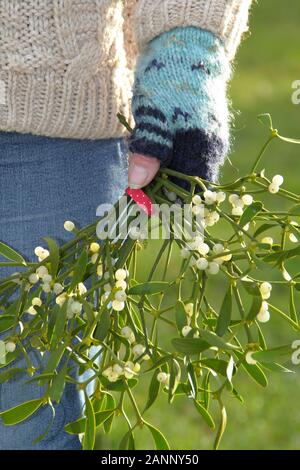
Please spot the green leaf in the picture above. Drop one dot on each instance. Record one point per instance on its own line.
(60, 322)
(127, 441)
(192, 379)
(111, 405)
(237, 395)
(42, 436)
(119, 385)
(254, 371)
(222, 427)
(9, 358)
(224, 318)
(218, 365)
(88, 310)
(274, 367)
(90, 425)
(215, 340)
(263, 228)
(131, 443)
(54, 255)
(205, 385)
(295, 210)
(103, 326)
(79, 270)
(174, 374)
(11, 254)
(58, 384)
(254, 309)
(261, 338)
(6, 322)
(6, 375)
(205, 414)
(273, 355)
(160, 441)
(21, 412)
(293, 310)
(159, 363)
(78, 427)
(54, 359)
(250, 213)
(149, 288)
(251, 288)
(180, 315)
(190, 346)
(153, 391)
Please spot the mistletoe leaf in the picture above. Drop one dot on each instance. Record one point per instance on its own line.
(205, 414)
(20, 413)
(11, 254)
(54, 255)
(159, 439)
(224, 318)
(149, 288)
(90, 425)
(250, 213)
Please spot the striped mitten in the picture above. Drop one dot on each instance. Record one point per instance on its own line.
(179, 102)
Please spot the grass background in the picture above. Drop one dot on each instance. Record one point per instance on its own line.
(266, 66)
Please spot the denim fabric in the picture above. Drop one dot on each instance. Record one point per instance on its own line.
(43, 182)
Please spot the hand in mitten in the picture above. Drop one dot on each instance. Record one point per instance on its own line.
(180, 106)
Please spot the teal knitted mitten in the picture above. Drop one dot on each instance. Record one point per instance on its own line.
(179, 102)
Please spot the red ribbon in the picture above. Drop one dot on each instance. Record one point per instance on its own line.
(141, 199)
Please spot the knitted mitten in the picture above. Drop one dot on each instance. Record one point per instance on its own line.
(179, 102)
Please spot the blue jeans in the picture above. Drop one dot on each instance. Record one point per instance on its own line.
(43, 182)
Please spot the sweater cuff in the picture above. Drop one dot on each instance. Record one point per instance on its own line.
(227, 19)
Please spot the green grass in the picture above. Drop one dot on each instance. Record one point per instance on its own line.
(267, 64)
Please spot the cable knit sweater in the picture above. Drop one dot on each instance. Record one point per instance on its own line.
(67, 66)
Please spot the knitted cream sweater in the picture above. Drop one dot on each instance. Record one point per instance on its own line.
(66, 66)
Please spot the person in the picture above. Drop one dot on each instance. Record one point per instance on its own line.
(67, 69)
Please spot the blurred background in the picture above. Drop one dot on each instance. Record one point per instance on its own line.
(267, 64)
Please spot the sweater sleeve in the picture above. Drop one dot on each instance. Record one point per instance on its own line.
(227, 19)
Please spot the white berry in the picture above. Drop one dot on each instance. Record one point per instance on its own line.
(36, 301)
(202, 264)
(10, 346)
(118, 306)
(267, 241)
(264, 317)
(58, 288)
(42, 271)
(69, 226)
(162, 377)
(138, 350)
(120, 295)
(274, 188)
(186, 330)
(32, 311)
(278, 180)
(213, 268)
(247, 199)
(120, 275)
(76, 307)
(94, 247)
(237, 211)
(33, 278)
